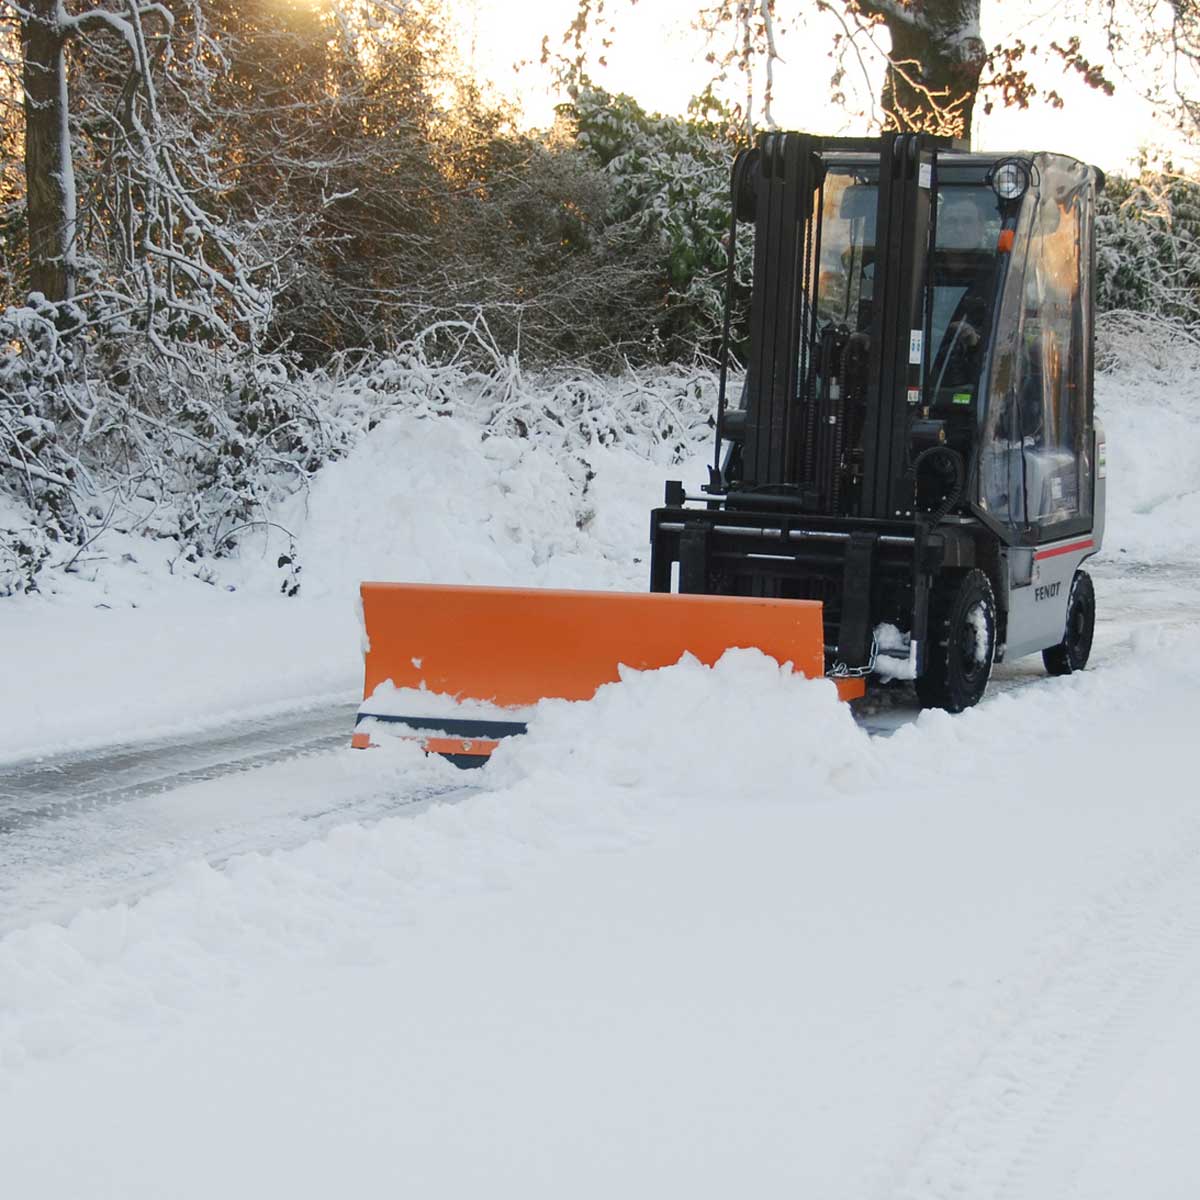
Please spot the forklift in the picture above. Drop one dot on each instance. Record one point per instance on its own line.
(915, 444)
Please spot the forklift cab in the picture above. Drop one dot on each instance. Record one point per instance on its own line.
(1007, 364)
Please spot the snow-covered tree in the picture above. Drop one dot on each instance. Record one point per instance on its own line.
(262, 188)
(669, 182)
(1148, 246)
(133, 358)
(935, 67)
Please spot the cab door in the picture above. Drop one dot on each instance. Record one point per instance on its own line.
(1036, 470)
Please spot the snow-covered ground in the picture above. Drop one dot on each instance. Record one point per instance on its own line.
(704, 935)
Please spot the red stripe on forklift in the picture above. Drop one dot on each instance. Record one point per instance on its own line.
(1069, 548)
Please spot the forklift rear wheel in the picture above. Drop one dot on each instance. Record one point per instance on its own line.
(1071, 654)
(962, 642)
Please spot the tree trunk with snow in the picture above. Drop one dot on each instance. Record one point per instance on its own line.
(49, 176)
(935, 63)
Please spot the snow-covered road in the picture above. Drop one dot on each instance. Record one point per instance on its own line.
(555, 980)
(957, 961)
(96, 827)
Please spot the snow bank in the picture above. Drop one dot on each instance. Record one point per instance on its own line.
(138, 652)
(1149, 400)
(431, 500)
(179, 661)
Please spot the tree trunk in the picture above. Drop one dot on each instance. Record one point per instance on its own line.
(49, 172)
(936, 59)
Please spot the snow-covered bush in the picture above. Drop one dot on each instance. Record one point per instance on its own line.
(23, 553)
(670, 186)
(1148, 246)
(40, 479)
(102, 426)
(197, 447)
(654, 410)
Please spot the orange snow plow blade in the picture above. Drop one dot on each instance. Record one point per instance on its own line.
(511, 647)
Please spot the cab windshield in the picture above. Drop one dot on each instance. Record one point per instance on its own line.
(962, 290)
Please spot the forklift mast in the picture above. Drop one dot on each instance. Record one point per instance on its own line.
(793, 434)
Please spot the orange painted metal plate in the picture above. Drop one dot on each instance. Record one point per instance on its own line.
(478, 747)
(515, 646)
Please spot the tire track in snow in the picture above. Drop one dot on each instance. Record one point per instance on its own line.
(99, 827)
(53, 787)
(51, 872)
(1020, 1121)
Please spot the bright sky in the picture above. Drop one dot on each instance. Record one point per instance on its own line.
(659, 59)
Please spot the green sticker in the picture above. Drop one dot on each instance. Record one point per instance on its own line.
(962, 397)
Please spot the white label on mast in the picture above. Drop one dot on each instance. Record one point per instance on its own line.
(916, 347)
(925, 175)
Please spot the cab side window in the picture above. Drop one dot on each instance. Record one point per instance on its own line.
(1051, 382)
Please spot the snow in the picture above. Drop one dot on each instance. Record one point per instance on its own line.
(702, 935)
(389, 700)
(94, 675)
(864, 969)
(977, 619)
(139, 653)
(66, 168)
(894, 658)
(1149, 405)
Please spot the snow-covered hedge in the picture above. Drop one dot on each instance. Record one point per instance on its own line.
(201, 444)
(669, 182)
(1148, 246)
(104, 427)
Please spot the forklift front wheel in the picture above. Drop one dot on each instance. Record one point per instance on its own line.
(962, 642)
(1071, 654)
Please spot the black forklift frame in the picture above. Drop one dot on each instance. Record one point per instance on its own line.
(767, 538)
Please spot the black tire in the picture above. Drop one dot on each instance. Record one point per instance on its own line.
(957, 667)
(1072, 653)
